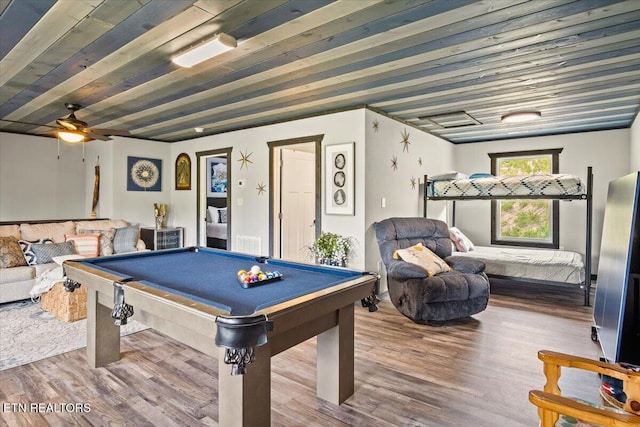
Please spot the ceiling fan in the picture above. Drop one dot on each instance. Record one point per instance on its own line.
(73, 130)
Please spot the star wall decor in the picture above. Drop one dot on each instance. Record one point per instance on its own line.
(413, 183)
(394, 163)
(375, 125)
(261, 188)
(405, 141)
(244, 159)
(419, 161)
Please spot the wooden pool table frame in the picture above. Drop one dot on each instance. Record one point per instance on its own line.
(244, 400)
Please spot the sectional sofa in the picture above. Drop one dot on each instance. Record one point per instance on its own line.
(17, 277)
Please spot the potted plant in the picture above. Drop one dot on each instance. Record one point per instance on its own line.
(332, 249)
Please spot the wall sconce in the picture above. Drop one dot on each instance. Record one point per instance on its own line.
(71, 136)
(222, 42)
(521, 116)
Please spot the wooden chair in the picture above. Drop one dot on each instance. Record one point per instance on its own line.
(551, 404)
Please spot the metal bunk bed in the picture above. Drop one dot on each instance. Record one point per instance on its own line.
(586, 196)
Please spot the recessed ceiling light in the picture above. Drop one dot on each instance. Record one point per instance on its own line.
(199, 130)
(222, 42)
(521, 116)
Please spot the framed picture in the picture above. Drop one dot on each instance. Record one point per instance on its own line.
(217, 177)
(144, 174)
(183, 172)
(339, 172)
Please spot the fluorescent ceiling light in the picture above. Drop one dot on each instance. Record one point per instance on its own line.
(222, 42)
(70, 136)
(521, 116)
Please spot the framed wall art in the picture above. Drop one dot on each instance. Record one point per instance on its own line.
(217, 177)
(144, 174)
(183, 172)
(339, 175)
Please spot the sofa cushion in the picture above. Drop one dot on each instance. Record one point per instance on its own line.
(17, 274)
(106, 239)
(101, 224)
(87, 245)
(10, 253)
(27, 249)
(45, 252)
(126, 239)
(10, 230)
(54, 230)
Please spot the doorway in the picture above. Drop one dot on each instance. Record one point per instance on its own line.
(295, 204)
(214, 196)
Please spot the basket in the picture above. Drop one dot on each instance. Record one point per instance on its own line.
(66, 306)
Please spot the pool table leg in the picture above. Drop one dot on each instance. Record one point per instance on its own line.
(103, 336)
(245, 400)
(335, 359)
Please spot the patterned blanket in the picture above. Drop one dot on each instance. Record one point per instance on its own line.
(529, 185)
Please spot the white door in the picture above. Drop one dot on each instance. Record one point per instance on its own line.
(298, 203)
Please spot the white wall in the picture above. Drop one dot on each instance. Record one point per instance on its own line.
(606, 151)
(634, 157)
(252, 218)
(36, 184)
(402, 199)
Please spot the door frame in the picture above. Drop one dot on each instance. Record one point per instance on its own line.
(201, 182)
(317, 140)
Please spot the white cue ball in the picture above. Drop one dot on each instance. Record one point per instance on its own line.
(255, 270)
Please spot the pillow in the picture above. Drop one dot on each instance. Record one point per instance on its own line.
(212, 214)
(222, 215)
(462, 242)
(423, 258)
(126, 239)
(46, 251)
(87, 245)
(448, 176)
(27, 250)
(10, 253)
(106, 239)
(481, 175)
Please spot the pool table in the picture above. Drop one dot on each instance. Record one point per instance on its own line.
(194, 296)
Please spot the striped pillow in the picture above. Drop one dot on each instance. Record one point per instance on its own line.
(87, 245)
(106, 239)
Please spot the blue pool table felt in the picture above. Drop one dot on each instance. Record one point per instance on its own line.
(210, 277)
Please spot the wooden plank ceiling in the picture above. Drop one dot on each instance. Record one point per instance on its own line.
(576, 62)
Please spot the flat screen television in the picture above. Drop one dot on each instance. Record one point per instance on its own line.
(616, 308)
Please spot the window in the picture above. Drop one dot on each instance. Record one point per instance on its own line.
(522, 222)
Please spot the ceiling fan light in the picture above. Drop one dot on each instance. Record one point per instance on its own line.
(70, 136)
(521, 116)
(222, 42)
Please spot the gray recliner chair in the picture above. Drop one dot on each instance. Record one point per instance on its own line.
(458, 293)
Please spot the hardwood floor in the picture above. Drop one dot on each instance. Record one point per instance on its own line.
(473, 372)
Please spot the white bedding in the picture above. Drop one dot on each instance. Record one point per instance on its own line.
(217, 230)
(539, 264)
(528, 185)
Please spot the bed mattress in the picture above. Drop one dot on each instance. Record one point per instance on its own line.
(529, 185)
(538, 264)
(217, 230)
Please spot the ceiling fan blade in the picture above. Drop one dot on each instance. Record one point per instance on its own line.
(66, 124)
(96, 136)
(116, 132)
(28, 123)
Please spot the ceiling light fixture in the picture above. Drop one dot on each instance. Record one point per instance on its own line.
(199, 130)
(71, 136)
(222, 42)
(521, 116)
